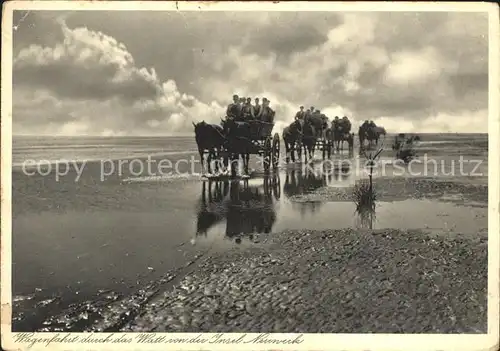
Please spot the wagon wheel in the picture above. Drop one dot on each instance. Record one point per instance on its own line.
(275, 155)
(267, 154)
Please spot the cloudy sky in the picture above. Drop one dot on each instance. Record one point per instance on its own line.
(152, 73)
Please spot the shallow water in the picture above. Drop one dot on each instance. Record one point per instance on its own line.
(67, 257)
(278, 210)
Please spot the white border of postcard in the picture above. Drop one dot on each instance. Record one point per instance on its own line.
(454, 342)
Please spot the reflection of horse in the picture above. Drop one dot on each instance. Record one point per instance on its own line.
(247, 209)
(298, 182)
(212, 211)
(292, 136)
(301, 183)
(209, 137)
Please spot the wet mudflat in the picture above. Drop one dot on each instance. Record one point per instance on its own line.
(429, 275)
(253, 256)
(332, 281)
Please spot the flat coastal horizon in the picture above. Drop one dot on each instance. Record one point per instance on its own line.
(250, 175)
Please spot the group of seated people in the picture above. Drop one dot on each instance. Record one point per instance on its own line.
(368, 124)
(242, 110)
(343, 122)
(310, 112)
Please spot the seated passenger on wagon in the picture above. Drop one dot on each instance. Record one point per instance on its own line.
(336, 122)
(256, 107)
(324, 119)
(266, 113)
(317, 114)
(248, 111)
(300, 114)
(233, 109)
(308, 113)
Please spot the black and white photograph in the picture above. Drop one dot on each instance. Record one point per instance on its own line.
(269, 170)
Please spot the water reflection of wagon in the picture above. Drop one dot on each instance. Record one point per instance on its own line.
(246, 209)
(252, 138)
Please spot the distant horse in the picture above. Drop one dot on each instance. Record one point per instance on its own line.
(370, 133)
(375, 133)
(339, 136)
(209, 137)
(292, 136)
(308, 139)
(238, 136)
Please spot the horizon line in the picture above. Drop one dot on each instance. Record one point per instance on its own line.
(192, 134)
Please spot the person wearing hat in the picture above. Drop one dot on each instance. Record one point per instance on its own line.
(241, 102)
(264, 110)
(233, 109)
(248, 111)
(336, 123)
(256, 107)
(268, 112)
(308, 113)
(300, 114)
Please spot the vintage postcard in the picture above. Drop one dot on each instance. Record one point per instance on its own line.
(249, 175)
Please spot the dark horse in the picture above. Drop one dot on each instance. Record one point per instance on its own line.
(370, 133)
(341, 134)
(292, 136)
(209, 137)
(238, 138)
(309, 138)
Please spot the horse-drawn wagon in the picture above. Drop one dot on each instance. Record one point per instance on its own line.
(309, 134)
(252, 137)
(234, 139)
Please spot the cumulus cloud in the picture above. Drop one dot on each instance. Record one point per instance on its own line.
(407, 71)
(89, 83)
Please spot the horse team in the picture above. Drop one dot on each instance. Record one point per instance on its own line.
(309, 131)
(312, 129)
